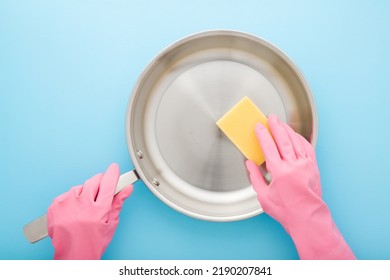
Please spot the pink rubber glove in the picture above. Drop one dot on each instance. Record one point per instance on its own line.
(293, 196)
(82, 222)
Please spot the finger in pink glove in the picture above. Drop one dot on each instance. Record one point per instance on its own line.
(82, 221)
(293, 196)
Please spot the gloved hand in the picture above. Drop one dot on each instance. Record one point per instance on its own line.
(82, 222)
(293, 196)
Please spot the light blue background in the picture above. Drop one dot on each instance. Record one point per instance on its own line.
(67, 69)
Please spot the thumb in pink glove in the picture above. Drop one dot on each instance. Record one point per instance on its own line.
(293, 196)
(82, 222)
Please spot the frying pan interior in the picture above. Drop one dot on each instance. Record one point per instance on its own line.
(176, 147)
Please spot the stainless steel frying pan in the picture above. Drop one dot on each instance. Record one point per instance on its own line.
(174, 143)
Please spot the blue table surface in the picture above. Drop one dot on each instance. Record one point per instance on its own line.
(67, 69)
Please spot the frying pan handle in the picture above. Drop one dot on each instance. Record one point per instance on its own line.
(37, 229)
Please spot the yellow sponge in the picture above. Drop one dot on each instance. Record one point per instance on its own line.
(239, 126)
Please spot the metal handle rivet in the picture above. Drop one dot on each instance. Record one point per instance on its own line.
(155, 182)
